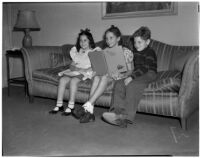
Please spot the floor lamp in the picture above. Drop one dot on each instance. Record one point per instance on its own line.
(26, 21)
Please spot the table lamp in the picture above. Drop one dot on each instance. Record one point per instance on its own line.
(26, 21)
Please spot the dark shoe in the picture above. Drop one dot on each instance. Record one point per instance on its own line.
(78, 112)
(117, 120)
(67, 113)
(88, 117)
(60, 109)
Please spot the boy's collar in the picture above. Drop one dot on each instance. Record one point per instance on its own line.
(144, 49)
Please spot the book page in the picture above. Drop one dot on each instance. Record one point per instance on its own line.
(115, 61)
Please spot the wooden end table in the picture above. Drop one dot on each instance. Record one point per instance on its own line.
(17, 80)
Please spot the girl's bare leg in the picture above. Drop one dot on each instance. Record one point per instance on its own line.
(99, 90)
(95, 84)
(61, 87)
(102, 84)
(61, 90)
(73, 88)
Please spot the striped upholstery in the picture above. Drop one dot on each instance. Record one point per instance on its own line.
(165, 53)
(167, 96)
(166, 81)
(164, 85)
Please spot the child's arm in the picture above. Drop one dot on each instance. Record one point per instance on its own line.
(128, 54)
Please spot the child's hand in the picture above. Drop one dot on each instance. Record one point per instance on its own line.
(127, 81)
(115, 75)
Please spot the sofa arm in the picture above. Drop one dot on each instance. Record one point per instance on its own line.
(189, 90)
(37, 57)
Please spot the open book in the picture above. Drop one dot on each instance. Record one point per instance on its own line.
(68, 72)
(108, 62)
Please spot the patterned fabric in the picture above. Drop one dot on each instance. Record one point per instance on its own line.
(143, 62)
(164, 85)
(166, 81)
(166, 53)
(129, 58)
(160, 103)
(169, 74)
(57, 60)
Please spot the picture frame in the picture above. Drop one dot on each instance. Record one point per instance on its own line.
(111, 10)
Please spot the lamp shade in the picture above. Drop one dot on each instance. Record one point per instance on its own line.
(26, 19)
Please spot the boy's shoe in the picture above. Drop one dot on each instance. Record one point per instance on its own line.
(117, 120)
(87, 117)
(78, 112)
(60, 109)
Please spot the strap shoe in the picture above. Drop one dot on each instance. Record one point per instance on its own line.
(56, 110)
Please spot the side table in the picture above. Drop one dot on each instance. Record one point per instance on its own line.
(16, 80)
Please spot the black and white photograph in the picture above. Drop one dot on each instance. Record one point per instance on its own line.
(100, 78)
(138, 9)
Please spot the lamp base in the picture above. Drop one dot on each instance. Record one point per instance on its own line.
(27, 40)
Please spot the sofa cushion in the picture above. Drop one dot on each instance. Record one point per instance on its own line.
(165, 85)
(166, 81)
(169, 74)
(48, 74)
(58, 59)
(51, 75)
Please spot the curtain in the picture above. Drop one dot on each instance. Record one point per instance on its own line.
(7, 40)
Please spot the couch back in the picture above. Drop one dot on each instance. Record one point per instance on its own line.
(169, 57)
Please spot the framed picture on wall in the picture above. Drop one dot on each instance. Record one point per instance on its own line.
(138, 9)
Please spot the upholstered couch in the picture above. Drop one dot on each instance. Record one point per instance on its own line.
(174, 93)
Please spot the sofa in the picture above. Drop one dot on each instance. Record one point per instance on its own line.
(175, 92)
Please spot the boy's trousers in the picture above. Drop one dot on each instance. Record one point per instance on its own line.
(125, 99)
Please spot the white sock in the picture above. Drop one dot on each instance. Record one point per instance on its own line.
(88, 107)
(70, 106)
(58, 104)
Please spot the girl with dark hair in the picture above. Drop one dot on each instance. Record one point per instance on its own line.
(112, 38)
(81, 64)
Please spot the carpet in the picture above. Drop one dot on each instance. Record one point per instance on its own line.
(28, 130)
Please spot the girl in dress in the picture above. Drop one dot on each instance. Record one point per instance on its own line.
(112, 37)
(81, 64)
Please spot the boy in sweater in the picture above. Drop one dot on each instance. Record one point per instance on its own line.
(128, 92)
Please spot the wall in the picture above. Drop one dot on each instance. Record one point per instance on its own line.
(61, 22)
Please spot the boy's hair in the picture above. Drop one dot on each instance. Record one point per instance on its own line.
(143, 32)
(115, 30)
(87, 33)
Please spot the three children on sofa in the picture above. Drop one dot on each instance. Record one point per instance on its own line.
(128, 89)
